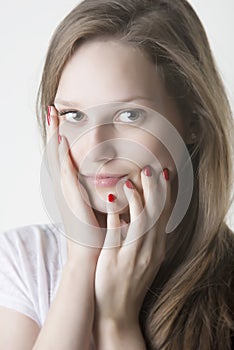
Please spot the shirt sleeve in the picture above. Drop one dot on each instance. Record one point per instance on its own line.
(31, 264)
(15, 275)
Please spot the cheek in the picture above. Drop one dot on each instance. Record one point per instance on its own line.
(74, 139)
(159, 150)
(140, 148)
(78, 153)
(161, 155)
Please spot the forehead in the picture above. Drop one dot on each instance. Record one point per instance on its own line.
(110, 71)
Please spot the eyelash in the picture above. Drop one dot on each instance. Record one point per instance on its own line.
(65, 112)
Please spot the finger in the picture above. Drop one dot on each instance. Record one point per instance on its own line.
(137, 216)
(152, 197)
(68, 170)
(124, 228)
(113, 233)
(164, 188)
(52, 142)
(74, 192)
(82, 224)
(158, 205)
(52, 115)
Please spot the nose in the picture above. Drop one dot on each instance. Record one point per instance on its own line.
(100, 143)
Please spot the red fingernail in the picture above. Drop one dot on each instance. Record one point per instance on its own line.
(59, 138)
(48, 114)
(111, 197)
(166, 174)
(147, 171)
(129, 184)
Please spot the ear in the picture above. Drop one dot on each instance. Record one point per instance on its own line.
(192, 130)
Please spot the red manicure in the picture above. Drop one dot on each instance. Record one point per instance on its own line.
(166, 174)
(147, 171)
(129, 184)
(59, 138)
(48, 114)
(111, 197)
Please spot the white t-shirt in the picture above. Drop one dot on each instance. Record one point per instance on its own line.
(31, 263)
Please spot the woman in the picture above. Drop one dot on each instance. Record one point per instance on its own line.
(124, 82)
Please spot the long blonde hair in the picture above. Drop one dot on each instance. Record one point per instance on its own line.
(189, 303)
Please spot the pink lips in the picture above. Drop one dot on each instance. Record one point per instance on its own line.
(105, 180)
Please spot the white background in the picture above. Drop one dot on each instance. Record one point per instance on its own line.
(26, 27)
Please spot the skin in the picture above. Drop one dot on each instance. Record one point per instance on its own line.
(103, 72)
(120, 73)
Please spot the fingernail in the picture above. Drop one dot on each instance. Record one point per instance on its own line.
(129, 184)
(166, 174)
(48, 114)
(59, 138)
(147, 171)
(111, 197)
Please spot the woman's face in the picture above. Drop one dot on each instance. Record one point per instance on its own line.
(122, 124)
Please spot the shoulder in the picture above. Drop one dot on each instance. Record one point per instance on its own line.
(33, 253)
(41, 231)
(44, 240)
(31, 262)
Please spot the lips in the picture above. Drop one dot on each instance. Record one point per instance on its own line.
(104, 176)
(106, 180)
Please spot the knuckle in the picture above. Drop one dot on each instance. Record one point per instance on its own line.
(145, 261)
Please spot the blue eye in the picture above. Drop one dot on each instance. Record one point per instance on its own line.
(72, 116)
(130, 116)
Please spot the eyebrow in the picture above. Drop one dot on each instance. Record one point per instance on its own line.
(65, 103)
(73, 103)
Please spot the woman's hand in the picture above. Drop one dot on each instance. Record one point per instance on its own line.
(125, 271)
(81, 226)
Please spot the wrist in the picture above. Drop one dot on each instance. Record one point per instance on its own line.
(81, 260)
(118, 325)
(82, 256)
(80, 271)
(111, 334)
